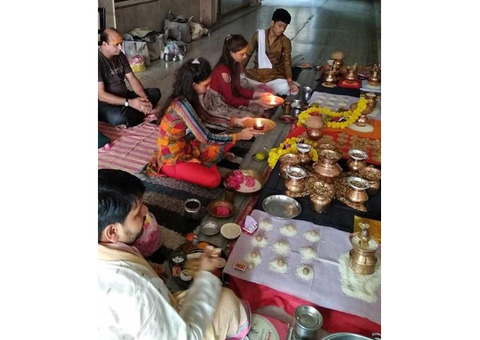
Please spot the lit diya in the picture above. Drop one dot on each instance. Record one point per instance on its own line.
(260, 125)
(272, 100)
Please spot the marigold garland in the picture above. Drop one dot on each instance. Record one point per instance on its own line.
(290, 145)
(351, 116)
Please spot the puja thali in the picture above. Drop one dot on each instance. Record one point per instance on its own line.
(184, 263)
(282, 206)
(245, 182)
(272, 100)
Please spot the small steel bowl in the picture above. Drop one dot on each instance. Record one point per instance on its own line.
(358, 183)
(297, 103)
(214, 205)
(210, 228)
(303, 147)
(357, 154)
(296, 172)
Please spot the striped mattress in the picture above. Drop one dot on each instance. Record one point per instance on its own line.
(130, 149)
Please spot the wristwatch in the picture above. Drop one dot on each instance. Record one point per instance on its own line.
(126, 101)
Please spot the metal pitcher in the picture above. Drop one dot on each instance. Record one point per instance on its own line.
(307, 93)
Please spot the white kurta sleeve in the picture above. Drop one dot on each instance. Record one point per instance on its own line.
(135, 305)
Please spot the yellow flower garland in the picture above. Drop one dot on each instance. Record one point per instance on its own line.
(351, 116)
(290, 145)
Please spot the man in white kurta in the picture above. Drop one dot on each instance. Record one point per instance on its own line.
(133, 301)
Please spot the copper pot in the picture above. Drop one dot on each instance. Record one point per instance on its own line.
(351, 73)
(295, 181)
(362, 257)
(357, 161)
(286, 160)
(305, 158)
(371, 99)
(372, 175)
(362, 262)
(287, 107)
(363, 119)
(374, 78)
(314, 134)
(327, 164)
(326, 146)
(357, 193)
(330, 78)
(304, 149)
(321, 197)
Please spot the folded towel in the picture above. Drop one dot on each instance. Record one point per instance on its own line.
(263, 61)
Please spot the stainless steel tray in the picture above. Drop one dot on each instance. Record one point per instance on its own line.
(282, 206)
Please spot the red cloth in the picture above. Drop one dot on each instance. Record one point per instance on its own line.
(333, 321)
(241, 96)
(350, 85)
(375, 134)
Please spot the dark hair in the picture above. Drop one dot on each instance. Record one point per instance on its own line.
(282, 15)
(232, 43)
(192, 71)
(118, 192)
(104, 37)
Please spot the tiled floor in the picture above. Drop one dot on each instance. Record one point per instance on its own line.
(318, 28)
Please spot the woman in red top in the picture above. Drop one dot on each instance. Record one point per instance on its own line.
(226, 98)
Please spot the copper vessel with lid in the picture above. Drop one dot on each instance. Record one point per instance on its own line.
(362, 257)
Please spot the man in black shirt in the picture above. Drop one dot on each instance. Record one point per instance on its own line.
(116, 104)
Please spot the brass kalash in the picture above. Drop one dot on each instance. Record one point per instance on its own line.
(362, 257)
(374, 77)
(351, 78)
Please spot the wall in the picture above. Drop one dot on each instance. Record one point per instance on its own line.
(227, 6)
(109, 11)
(152, 13)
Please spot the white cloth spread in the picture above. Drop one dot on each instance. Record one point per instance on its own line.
(263, 61)
(325, 289)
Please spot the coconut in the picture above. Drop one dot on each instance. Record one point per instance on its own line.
(314, 122)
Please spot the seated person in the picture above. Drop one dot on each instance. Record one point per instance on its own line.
(226, 97)
(273, 62)
(186, 149)
(116, 104)
(133, 301)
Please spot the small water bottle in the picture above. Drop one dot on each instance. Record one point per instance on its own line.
(165, 54)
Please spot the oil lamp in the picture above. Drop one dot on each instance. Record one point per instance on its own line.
(258, 125)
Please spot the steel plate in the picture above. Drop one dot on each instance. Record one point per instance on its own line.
(282, 206)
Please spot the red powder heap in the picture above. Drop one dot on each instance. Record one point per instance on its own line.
(222, 211)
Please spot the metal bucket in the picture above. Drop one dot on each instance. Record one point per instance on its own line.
(308, 321)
